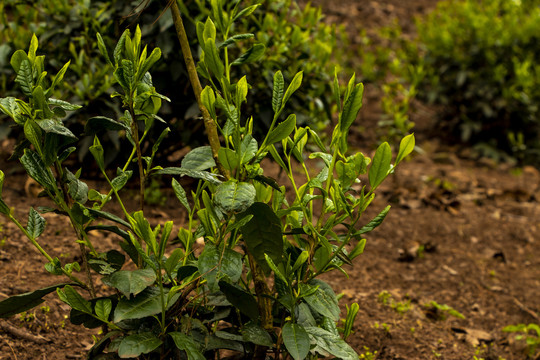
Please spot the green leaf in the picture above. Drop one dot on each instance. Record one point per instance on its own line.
(36, 224)
(4, 209)
(103, 309)
(324, 300)
(406, 146)
(380, 166)
(293, 86)
(147, 303)
(109, 216)
(227, 157)
(63, 104)
(24, 78)
(277, 91)
(262, 234)
(242, 300)
(18, 303)
(181, 194)
(121, 179)
(296, 340)
(34, 166)
(103, 49)
(34, 134)
(208, 98)
(17, 59)
(248, 149)
(212, 59)
(33, 47)
(71, 297)
(246, 12)
(253, 54)
(198, 159)
(101, 123)
(351, 108)
(283, 130)
(97, 151)
(376, 221)
(55, 127)
(58, 78)
(133, 346)
(257, 335)
(234, 196)
(130, 282)
(329, 343)
(235, 38)
(214, 264)
(149, 62)
(78, 190)
(188, 344)
(203, 175)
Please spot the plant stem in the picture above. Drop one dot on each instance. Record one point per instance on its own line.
(209, 124)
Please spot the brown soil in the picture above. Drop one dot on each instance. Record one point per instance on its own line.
(461, 233)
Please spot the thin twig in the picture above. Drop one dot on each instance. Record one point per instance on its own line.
(21, 333)
(209, 124)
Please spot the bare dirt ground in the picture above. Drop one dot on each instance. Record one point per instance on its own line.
(461, 233)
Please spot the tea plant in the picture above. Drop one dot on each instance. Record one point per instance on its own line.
(253, 287)
(479, 63)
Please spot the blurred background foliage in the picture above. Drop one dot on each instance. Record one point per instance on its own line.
(475, 60)
(295, 37)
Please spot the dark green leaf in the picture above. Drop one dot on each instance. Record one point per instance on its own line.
(97, 151)
(34, 134)
(248, 149)
(203, 175)
(103, 309)
(121, 179)
(242, 300)
(18, 303)
(234, 196)
(277, 91)
(78, 189)
(103, 49)
(262, 234)
(253, 54)
(24, 78)
(55, 127)
(109, 216)
(376, 221)
(198, 159)
(133, 346)
(37, 170)
(102, 123)
(71, 297)
(36, 224)
(181, 194)
(324, 300)
(188, 344)
(328, 343)
(130, 282)
(257, 335)
(296, 340)
(214, 264)
(228, 158)
(147, 303)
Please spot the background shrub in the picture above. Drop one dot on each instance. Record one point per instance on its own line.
(303, 42)
(480, 62)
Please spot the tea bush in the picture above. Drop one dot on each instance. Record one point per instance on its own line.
(253, 287)
(303, 42)
(481, 62)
